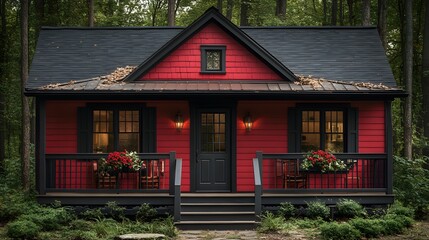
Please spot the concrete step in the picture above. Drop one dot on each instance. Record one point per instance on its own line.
(218, 216)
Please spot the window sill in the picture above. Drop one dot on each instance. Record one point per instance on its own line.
(213, 72)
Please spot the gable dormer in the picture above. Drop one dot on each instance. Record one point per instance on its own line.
(211, 48)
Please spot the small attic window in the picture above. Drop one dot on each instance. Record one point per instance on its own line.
(213, 59)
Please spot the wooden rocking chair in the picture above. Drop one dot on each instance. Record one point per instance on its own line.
(292, 177)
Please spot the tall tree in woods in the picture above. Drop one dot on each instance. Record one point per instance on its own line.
(281, 9)
(366, 12)
(325, 12)
(382, 21)
(171, 12)
(334, 11)
(3, 59)
(244, 12)
(25, 135)
(425, 75)
(219, 5)
(91, 13)
(351, 12)
(341, 13)
(408, 70)
(229, 7)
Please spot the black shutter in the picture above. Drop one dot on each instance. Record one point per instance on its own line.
(149, 130)
(293, 134)
(83, 128)
(352, 130)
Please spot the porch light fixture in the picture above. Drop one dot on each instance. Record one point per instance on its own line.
(248, 122)
(178, 121)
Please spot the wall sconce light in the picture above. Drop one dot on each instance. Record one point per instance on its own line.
(248, 122)
(178, 121)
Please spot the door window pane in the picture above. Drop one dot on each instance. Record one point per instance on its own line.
(212, 132)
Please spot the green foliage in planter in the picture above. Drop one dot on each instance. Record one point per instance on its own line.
(317, 209)
(22, 229)
(271, 223)
(349, 208)
(369, 228)
(114, 211)
(287, 210)
(339, 231)
(410, 182)
(146, 213)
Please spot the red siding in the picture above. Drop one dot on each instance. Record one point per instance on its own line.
(185, 62)
(61, 126)
(269, 134)
(371, 127)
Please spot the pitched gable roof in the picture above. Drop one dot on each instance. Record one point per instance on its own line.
(212, 15)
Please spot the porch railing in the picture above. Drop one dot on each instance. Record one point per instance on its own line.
(283, 173)
(80, 173)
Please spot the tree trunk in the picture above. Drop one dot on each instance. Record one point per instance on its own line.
(91, 13)
(341, 8)
(382, 21)
(425, 76)
(366, 12)
(229, 7)
(25, 137)
(244, 12)
(3, 35)
(219, 5)
(408, 65)
(334, 12)
(171, 13)
(325, 13)
(281, 9)
(351, 13)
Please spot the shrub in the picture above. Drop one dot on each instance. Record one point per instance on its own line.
(23, 229)
(405, 221)
(398, 209)
(369, 228)
(317, 209)
(391, 227)
(92, 214)
(146, 213)
(410, 182)
(287, 210)
(166, 227)
(349, 208)
(13, 204)
(336, 231)
(49, 218)
(114, 211)
(271, 223)
(308, 223)
(79, 224)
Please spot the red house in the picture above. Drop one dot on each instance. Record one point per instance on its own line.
(221, 116)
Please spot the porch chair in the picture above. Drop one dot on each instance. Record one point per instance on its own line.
(292, 176)
(353, 174)
(149, 176)
(103, 180)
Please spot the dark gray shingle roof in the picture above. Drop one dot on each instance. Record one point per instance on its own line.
(344, 54)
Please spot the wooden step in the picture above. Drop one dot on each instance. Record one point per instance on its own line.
(216, 225)
(217, 207)
(218, 216)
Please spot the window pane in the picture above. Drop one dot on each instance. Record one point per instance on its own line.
(102, 136)
(129, 135)
(334, 127)
(310, 127)
(213, 59)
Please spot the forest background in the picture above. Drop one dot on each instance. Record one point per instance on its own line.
(403, 26)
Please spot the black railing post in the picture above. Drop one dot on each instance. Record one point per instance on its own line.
(258, 187)
(259, 156)
(41, 146)
(389, 147)
(177, 191)
(172, 171)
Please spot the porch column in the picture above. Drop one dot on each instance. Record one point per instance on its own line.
(40, 146)
(389, 146)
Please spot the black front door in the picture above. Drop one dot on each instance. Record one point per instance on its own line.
(213, 150)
